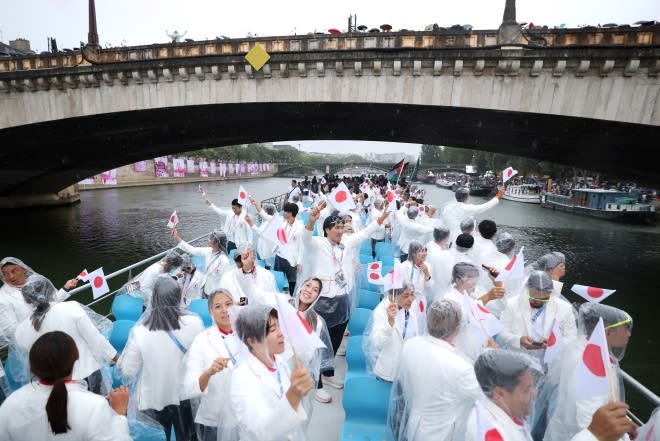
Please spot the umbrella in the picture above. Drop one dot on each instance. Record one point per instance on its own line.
(334, 31)
(362, 28)
(386, 27)
(374, 30)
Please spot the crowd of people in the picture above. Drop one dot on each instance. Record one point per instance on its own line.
(462, 347)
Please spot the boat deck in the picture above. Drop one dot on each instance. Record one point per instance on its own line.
(327, 419)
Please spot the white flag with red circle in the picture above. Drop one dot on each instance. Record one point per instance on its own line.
(83, 275)
(374, 273)
(173, 221)
(591, 293)
(99, 285)
(487, 319)
(515, 269)
(486, 430)
(341, 198)
(555, 344)
(591, 375)
(421, 209)
(275, 233)
(394, 279)
(508, 173)
(297, 331)
(243, 196)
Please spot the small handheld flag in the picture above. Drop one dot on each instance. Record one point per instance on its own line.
(594, 367)
(591, 293)
(83, 275)
(99, 284)
(508, 173)
(173, 221)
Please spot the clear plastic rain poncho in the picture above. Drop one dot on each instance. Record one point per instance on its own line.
(651, 430)
(87, 330)
(10, 316)
(14, 261)
(251, 395)
(564, 414)
(382, 342)
(142, 285)
(324, 359)
(152, 363)
(505, 369)
(434, 387)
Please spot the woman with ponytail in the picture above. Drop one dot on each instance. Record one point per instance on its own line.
(69, 317)
(54, 404)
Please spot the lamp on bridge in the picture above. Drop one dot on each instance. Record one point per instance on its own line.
(509, 32)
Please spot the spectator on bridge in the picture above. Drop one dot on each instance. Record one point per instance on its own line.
(455, 212)
(234, 226)
(175, 36)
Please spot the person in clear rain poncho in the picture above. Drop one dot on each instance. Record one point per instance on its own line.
(80, 322)
(398, 317)
(417, 272)
(55, 406)
(152, 362)
(13, 308)
(190, 280)
(435, 386)
(265, 394)
(142, 285)
(567, 414)
(211, 360)
(216, 261)
(441, 260)
(473, 336)
(249, 283)
(528, 318)
(323, 360)
(508, 379)
(554, 264)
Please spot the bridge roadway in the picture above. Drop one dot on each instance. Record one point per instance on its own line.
(589, 98)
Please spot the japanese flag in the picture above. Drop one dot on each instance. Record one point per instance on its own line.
(297, 332)
(341, 198)
(99, 285)
(83, 275)
(490, 323)
(555, 344)
(391, 207)
(515, 269)
(374, 273)
(174, 220)
(422, 209)
(591, 293)
(243, 196)
(508, 173)
(275, 233)
(486, 430)
(591, 376)
(394, 279)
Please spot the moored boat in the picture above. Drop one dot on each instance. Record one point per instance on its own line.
(529, 193)
(612, 205)
(446, 180)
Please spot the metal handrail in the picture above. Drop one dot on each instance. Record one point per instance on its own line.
(278, 201)
(642, 390)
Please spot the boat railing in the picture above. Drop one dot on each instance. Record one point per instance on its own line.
(278, 201)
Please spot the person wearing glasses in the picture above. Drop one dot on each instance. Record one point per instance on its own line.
(527, 318)
(569, 415)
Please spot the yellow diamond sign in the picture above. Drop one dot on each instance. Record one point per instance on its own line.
(257, 57)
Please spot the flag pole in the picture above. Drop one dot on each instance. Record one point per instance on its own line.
(398, 175)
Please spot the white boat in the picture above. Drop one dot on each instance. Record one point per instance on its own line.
(527, 193)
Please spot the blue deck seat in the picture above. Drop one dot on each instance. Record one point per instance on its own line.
(356, 363)
(366, 400)
(368, 299)
(119, 333)
(199, 262)
(358, 320)
(201, 308)
(366, 258)
(127, 307)
(280, 280)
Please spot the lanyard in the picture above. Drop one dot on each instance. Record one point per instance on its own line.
(538, 313)
(279, 380)
(231, 356)
(406, 314)
(336, 261)
(214, 257)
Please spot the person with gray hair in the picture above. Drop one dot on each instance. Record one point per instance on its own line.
(553, 263)
(509, 381)
(72, 318)
(569, 414)
(435, 386)
(527, 319)
(417, 272)
(265, 394)
(152, 361)
(249, 283)
(216, 261)
(454, 212)
(190, 280)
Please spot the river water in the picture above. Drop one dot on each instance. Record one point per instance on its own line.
(116, 227)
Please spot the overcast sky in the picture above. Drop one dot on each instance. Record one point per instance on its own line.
(136, 22)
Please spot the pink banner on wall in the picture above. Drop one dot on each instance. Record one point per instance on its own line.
(178, 165)
(160, 167)
(190, 166)
(109, 177)
(203, 169)
(140, 166)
